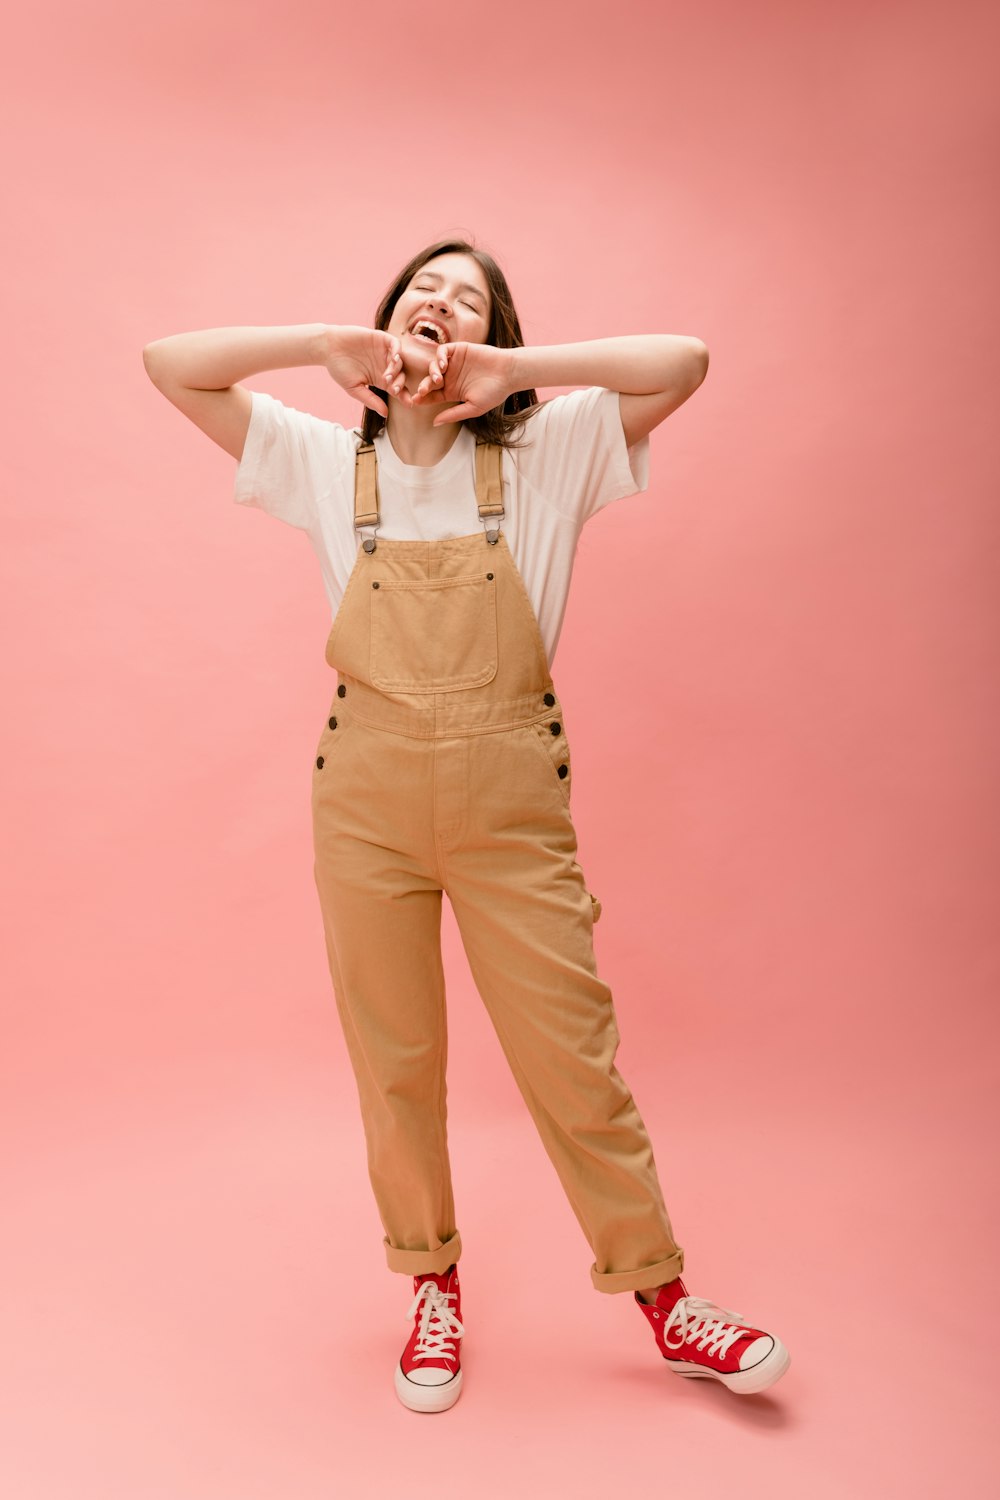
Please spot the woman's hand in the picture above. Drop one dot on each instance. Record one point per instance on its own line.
(361, 357)
(477, 376)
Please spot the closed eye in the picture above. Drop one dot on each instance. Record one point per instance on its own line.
(471, 305)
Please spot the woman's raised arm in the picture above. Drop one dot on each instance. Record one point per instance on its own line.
(199, 372)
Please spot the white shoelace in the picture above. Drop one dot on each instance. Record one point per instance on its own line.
(439, 1326)
(693, 1319)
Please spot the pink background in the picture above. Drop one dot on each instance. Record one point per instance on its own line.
(780, 674)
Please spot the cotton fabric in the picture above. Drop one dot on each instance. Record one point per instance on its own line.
(444, 766)
(299, 468)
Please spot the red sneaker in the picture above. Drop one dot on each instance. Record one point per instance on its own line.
(695, 1338)
(429, 1374)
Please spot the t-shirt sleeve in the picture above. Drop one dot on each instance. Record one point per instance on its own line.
(575, 456)
(290, 461)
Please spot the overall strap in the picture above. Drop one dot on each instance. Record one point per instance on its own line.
(489, 487)
(366, 502)
(489, 478)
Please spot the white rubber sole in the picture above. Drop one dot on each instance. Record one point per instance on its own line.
(428, 1397)
(743, 1382)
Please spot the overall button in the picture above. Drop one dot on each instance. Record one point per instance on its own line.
(548, 700)
(341, 691)
(319, 762)
(555, 726)
(333, 723)
(563, 773)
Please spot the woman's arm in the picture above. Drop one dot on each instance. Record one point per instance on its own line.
(199, 372)
(212, 359)
(654, 372)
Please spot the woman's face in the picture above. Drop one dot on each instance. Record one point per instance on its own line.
(450, 290)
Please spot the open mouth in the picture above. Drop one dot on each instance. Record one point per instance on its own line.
(427, 332)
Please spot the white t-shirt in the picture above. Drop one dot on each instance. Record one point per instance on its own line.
(300, 469)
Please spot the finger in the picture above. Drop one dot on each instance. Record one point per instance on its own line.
(434, 378)
(461, 413)
(394, 378)
(369, 399)
(393, 366)
(427, 393)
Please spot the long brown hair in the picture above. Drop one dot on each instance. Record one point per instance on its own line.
(501, 423)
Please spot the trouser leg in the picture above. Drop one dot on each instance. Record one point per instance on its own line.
(382, 925)
(526, 919)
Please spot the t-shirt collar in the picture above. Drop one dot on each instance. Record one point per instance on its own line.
(413, 474)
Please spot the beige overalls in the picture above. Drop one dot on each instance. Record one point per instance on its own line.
(445, 766)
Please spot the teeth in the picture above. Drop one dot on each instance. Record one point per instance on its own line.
(435, 333)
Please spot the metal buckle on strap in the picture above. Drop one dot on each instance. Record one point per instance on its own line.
(368, 542)
(494, 536)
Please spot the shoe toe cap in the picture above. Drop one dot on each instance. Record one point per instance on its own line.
(754, 1353)
(432, 1375)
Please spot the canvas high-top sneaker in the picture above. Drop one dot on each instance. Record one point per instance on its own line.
(697, 1337)
(429, 1374)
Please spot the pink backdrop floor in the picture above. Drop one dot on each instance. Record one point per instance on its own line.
(188, 1318)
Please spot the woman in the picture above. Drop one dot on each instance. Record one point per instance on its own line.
(446, 528)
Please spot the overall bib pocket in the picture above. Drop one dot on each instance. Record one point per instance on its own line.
(433, 635)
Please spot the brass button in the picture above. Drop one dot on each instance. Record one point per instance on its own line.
(341, 691)
(319, 762)
(563, 772)
(548, 700)
(333, 723)
(555, 726)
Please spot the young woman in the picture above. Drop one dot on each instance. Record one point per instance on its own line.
(446, 528)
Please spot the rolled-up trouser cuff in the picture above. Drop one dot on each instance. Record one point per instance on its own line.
(416, 1262)
(634, 1281)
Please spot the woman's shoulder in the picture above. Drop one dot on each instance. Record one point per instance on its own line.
(575, 456)
(293, 423)
(569, 403)
(563, 418)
